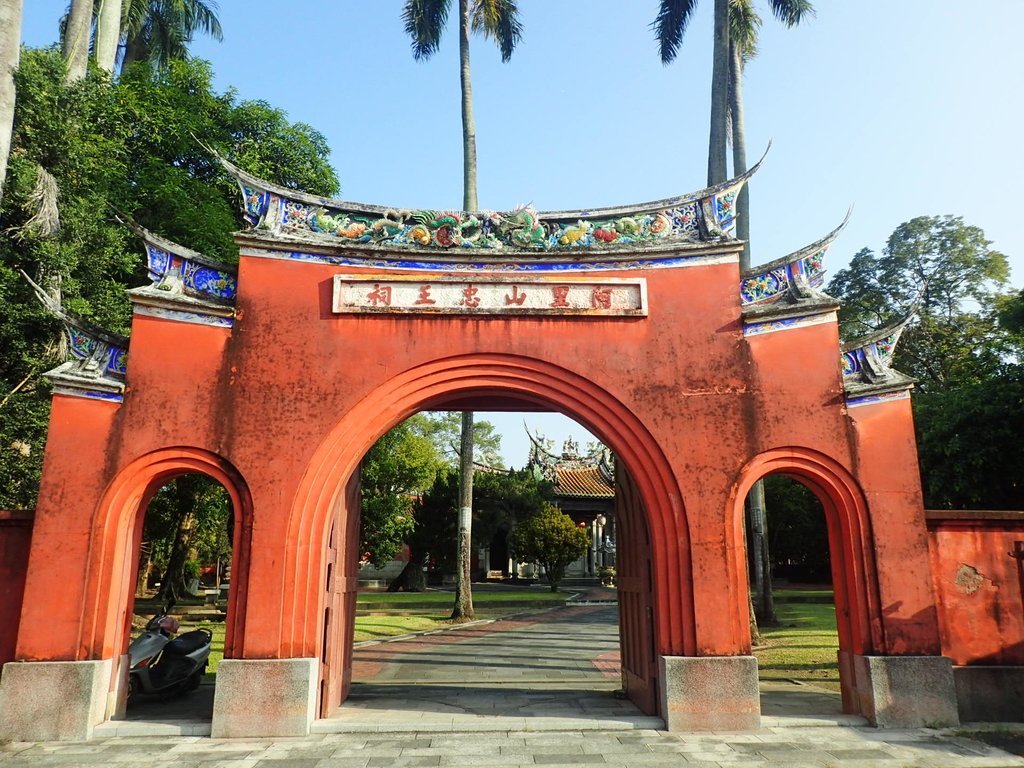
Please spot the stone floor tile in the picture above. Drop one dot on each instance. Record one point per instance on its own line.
(404, 760)
(567, 758)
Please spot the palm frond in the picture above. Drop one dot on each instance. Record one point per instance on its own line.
(424, 23)
(792, 12)
(744, 26)
(670, 25)
(498, 19)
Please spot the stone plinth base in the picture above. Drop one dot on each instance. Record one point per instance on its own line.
(990, 694)
(710, 693)
(906, 691)
(53, 700)
(264, 697)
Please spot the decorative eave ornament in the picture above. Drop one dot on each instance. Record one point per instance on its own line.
(791, 279)
(99, 358)
(186, 286)
(868, 375)
(786, 293)
(705, 216)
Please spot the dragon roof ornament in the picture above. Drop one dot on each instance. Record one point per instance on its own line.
(177, 270)
(798, 276)
(708, 215)
(98, 357)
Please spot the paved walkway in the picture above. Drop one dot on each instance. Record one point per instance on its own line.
(769, 748)
(527, 691)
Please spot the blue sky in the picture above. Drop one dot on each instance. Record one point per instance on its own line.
(900, 109)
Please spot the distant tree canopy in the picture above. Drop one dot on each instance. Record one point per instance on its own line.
(80, 154)
(964, 348)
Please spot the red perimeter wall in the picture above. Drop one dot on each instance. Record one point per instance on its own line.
(978, 585)
(15, 540)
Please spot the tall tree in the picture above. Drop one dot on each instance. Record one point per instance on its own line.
(669, 27)
(949, 273)
(497, 19)
(398, 468)
(159, 31)
(123, 147)
(77, 33)
(10, 49)
(108, 33)
(424, 22)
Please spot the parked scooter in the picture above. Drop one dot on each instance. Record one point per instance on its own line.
(160, 664)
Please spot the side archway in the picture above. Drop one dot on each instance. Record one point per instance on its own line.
(116, 536)
(849, 536)
(477, 377)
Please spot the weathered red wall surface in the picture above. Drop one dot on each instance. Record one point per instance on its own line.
(15, 537)
(291, 397)
(978, 585)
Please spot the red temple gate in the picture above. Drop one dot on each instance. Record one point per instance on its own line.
(342, 320)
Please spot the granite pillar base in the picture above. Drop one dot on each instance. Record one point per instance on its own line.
(710, 693)
(264, 697)
(53, 700)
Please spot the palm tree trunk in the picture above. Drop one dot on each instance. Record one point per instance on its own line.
(469, 200)
(76, 39)
(739, 148)
(717, 149)
(463, 588)
(108, 33)
(10, 48)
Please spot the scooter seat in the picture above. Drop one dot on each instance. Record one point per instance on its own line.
(186, 643)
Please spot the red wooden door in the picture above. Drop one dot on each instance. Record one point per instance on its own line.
(340, 601)
(635, 578)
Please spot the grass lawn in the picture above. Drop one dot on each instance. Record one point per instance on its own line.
(803, 647)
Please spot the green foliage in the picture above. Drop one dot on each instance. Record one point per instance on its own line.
(399, 466)
(797, 531)
(130, 147)
(948, 269)
(551, 539)
(969, 443)
(187, 525)
(500, 499)
(445, 430)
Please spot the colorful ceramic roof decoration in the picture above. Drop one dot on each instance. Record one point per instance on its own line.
(868, 360)
(99, 358)
(705, 216)
(797, 276)
(177, 269)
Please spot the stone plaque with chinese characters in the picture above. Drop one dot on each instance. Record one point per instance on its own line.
(473, 295)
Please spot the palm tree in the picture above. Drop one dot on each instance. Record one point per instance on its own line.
(731, 17)
(10, 49)
(159, 31)
(669, 27)
(424, 22)
(77, 28)
(496, 19)
(108, 33)
(737, 42)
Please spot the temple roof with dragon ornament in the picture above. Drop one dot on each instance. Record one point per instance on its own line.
(187, 286)
(589, 475)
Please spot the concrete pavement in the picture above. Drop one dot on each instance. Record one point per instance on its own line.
(532, 691)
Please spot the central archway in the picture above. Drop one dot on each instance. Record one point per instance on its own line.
(326, 489)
